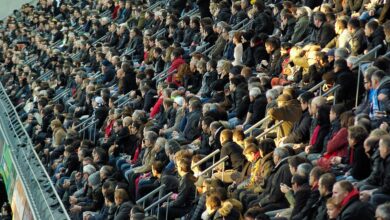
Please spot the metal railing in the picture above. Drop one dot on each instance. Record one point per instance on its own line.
(258, 124)
(205, 159)
(318, 86)
(373, 52)
(269, 130)
(149, 195)
(61, 95)
(247, 26)
(45, 75)
(41, 194)
(334, 91)
(212, 167)
(240, 24)
(157, 203)
(200, 48)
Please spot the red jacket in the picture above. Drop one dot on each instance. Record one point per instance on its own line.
(174, 66)
(156, 107)
(338, 145)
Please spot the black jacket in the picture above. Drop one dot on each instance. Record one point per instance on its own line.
(271, 194)
(323, 34)
(384, 176)
(318, 209)
(186, 194)
(191, 130)
(355, 209)
(306, 208)
(301, 197)
(236, 159)
(257, 108)
(361, 165)
(263, 22)
(301, 130)
(377, 38)
(123, 211)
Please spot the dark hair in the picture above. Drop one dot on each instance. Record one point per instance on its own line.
(299, 180)
(323, 115)
(354, 23)
(338, 109)
(327, 180)
(267, 145)
(296, 160)
(306, 96)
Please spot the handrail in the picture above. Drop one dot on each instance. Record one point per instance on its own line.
(160, 74)
(212, 166)
(240, 23)
(246, 25)
(166, 75)
(139, 201)
(62, 94)
(201, 47)
(358, 62)
(314, 88)
(368, 54)
(190, 13)
(100, 39)
(125, 95)
(84, 122)
(89, 125)
(258, 124)
(208, 50)
(334, 88)
(269, 129)
(31, 156)
(206, 158)
(158, 201)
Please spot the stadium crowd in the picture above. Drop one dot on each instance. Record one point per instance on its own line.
(121, 97)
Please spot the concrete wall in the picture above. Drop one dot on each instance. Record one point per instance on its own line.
(7, 6)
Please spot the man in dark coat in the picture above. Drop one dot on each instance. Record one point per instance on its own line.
(347, 197)
(318, 209)
(358, 43)
(301, 130)
(375, 36)
(123, 204)
(229, 148)
(204, 8)
(382, 178)
(323, 31)
(272, 198)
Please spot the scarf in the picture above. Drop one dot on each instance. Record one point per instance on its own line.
(315, 135)
(353, 193)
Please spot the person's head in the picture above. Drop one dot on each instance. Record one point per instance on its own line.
(226, 136)
(279, 154)
(340, 25)
(297, 181)
(316, 103)
(213, 202)
(335, 112)
(356, 135)
(105, 172)
(304, 99)
(353, 25)
(370, 27)
(315, 175)
(384, 146)
(332, 208)
(325, 184)
(376, 78)
(266, 146)
(121, 196)
(171, 147)
(150, 138)
(318, 19)
(251, 152)
(157, 168)
(272, 44)
(341, 190)
(294, 162)
(382, 212)
(183, 166)
(304, 169)
(254, 93)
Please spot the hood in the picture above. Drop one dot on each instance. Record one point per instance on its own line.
(225, 209)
